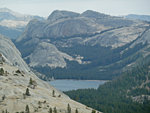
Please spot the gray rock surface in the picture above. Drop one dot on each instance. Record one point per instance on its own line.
(94, 14)
(145, 38)
(117, 37)
(8, 49)
(47, 54)
(58, 14)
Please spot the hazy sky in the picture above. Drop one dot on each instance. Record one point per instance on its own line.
(45, 7)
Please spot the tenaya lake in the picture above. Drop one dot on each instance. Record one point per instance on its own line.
(66, 85)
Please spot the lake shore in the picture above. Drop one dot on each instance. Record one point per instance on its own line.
(73, 84)
(81, 80)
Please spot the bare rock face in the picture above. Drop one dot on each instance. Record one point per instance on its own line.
(58, 14)
(117, 37)
(8, 49)
(145, 38)
(94, 14)
(47, 54)
(65, 28)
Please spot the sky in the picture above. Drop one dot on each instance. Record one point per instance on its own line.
(111, 7)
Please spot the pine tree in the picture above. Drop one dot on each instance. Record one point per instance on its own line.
(27, 109)
(3, 97)
(30, 81)
(6, 111)
(76, 111)
(93, 111)
(1, 71)
(50, 110)
(27, 92)
(53, 93)
(68, 109)
(55, 110)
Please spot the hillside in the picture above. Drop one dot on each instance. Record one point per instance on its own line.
(90, 45)
(11, 32)
(23, 92)
(8, 49)
(129, 93)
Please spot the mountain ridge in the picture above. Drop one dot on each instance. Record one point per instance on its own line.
(97, 42)
(138, 17)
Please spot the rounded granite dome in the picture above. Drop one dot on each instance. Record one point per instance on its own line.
(58, 14)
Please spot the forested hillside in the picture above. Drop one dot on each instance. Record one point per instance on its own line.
(129, 93)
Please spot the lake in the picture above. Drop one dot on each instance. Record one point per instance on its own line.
(66, 85)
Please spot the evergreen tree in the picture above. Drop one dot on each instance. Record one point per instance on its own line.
(27, 109)
(68, 109)
(18, 71)
(76, 111)
(93, 111)
(3, 97)
(53, 93)
(55, 110)
(1, 71)
(30, 81)
(50, 110)
(6, 111)
(27, 92)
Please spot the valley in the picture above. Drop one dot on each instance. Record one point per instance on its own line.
(73, 61)
(23, 92)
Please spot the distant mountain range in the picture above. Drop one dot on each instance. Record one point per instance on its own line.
(138, 17)
(12, 23)
(7, 14)
(90, 45)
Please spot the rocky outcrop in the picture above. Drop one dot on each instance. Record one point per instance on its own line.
(8, 49)
(144, 38)
(58, 14)
(117, 37)
(63, 29)
(47, 54)
(94, 14)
